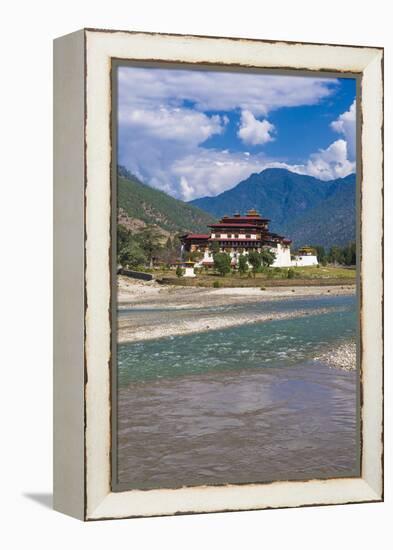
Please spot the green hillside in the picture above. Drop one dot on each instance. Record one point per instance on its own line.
(141, 202)
(332, 222)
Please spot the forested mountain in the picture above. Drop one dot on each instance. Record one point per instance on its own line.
(141, 205)
(303, 208)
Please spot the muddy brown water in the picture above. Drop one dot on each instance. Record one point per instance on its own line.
(296, 422)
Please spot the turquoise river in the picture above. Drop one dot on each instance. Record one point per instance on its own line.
(250, 403)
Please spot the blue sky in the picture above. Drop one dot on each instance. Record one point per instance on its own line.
(195, 133)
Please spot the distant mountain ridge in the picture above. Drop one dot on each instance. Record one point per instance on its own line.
(303, 208)
(140, 205)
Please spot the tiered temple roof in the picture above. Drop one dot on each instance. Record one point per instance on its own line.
(254, 228)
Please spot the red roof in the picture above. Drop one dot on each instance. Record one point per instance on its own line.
(248, 225)
(196, 236)
(250, 219)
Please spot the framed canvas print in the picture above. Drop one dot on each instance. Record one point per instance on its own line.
(218, 274)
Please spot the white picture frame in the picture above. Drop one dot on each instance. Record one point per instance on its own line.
(82, 247)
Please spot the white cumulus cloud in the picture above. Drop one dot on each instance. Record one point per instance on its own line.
(174, 124)
(253, 131)
(219, 91)
(165, 116)
(346, 125)
(210, 172)
(329, 163)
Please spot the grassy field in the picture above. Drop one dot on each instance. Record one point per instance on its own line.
(302, 276)
(315, 272)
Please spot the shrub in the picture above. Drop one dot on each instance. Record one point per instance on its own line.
(291, 273)
(179, 271)
(216, 284)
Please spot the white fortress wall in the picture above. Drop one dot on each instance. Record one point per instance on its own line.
(304, 261)
(283, 256)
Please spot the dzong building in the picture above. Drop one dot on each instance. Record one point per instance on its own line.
(239, 235)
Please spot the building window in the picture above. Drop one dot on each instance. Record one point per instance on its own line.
(248, 236)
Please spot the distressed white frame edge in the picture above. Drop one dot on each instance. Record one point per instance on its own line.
(101, 46)
(69, 275)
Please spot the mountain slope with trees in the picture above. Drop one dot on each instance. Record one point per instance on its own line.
(142, 203)
(301, 207)
(330, 223)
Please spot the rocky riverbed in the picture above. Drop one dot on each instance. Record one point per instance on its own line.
(341, 357)
(148, 311)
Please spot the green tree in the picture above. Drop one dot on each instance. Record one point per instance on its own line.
(335, 255)
(124, 235)
(349, 254)
(222, 263)
(321, 254)
(128, 250)
(195, 256)
(255, 260)
(215, 247)
(150, 241)
(267, 257)
(167, 253)
(131, 255)
(243, 264)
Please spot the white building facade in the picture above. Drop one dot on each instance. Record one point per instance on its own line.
(238, 235)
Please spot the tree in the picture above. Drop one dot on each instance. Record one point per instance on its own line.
(267, 257)
(255, 260)
(222, 263)
(321, 254)
(131, 255)
(167, 253)
(123, 236)
(349, 254)
(150, 241)
(215, 247)
(243, 264)
(195, 256)
(335, 255)
(345, 255)
(128, 250)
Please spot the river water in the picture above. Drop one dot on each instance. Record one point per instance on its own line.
(243, 404)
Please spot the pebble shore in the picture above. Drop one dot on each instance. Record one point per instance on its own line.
(342, 357)
(128, 331)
